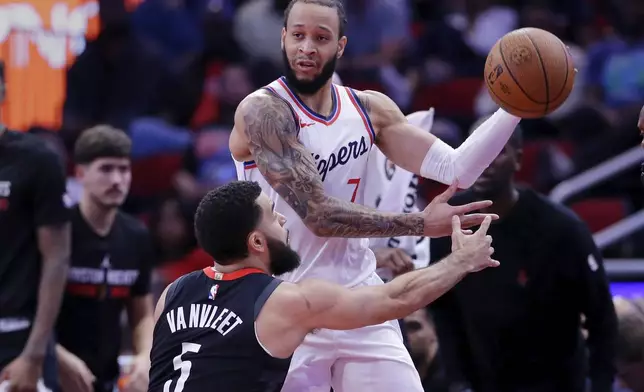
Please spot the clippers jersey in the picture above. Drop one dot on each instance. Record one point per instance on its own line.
(340, 144)
(205, 338)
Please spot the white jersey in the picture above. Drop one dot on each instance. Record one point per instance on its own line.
(340, 145)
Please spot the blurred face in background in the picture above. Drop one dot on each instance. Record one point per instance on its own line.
(498, 177)
(311, 46)
(423, 342)
(106, 181)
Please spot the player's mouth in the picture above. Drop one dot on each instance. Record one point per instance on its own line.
(305, 65)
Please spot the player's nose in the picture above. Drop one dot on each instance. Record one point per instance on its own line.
(307, 47)
(281, 219)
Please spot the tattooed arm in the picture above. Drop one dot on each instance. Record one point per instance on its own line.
(424, 154)
(269, 127)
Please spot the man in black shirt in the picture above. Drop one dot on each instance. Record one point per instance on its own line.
(110, 271)
(34, 256)
(517, 328)
(234, 327)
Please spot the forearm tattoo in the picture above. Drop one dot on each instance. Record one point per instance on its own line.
(271, 130)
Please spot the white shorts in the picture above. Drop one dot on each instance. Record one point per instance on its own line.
(370, 359)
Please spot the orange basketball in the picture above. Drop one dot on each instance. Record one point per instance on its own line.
(529, 72)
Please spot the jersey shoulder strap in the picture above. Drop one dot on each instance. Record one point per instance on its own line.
(175, 286)
(265, 294)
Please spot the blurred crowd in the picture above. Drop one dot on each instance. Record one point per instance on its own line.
(171, 72)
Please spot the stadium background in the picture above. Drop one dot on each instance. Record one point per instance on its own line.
(171, 72)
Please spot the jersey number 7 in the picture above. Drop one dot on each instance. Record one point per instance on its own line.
(184, 366)
(356, 183)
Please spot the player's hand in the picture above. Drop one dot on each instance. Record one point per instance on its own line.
(23, 374)
(438, 214)
(640, 121)
(396, 260)
(73, 373)
(476, 248)
(139, 377)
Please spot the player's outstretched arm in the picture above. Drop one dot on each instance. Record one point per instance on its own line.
(327, 305)
(269, 127)
(424, 154)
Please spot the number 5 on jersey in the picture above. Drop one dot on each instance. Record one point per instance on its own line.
(182, 365)
(355, 182)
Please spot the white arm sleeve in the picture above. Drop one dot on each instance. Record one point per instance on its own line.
(466, 163)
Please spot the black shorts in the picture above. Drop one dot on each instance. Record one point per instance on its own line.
(12, 344)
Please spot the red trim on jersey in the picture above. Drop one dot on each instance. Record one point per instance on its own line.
(212, 274)
(363, 115)
(309, 113)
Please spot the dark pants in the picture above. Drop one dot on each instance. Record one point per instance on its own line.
(12, 344)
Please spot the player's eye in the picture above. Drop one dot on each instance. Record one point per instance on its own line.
(321, 38)
(298, 35)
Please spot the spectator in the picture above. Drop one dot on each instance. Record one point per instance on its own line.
(257, 28)
(518, 328)
(614, 79)
(380, 38)
(113, 81)
(423, 346)
(630, 343)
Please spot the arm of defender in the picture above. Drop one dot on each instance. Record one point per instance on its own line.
(326, 305)
(270, 128)
(424, 154)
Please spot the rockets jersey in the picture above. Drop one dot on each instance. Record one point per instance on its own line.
(340, 144)
(205, 338)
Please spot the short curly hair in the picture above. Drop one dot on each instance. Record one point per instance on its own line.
(101, 141)
(224, 219)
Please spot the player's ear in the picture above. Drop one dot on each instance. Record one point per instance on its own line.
(257, 242)
(283, 37)
(342, 43)
(79, 171)
(518, 159)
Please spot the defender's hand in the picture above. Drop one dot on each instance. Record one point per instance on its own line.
(439, 214)
(476, 248)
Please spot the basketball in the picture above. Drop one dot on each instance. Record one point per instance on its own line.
(529, 72)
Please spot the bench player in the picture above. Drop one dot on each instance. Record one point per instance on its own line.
(306, 141)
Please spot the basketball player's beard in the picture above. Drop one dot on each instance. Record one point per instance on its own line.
(283, 258)
(308, 87)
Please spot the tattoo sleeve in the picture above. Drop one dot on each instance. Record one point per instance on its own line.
(272, 132)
